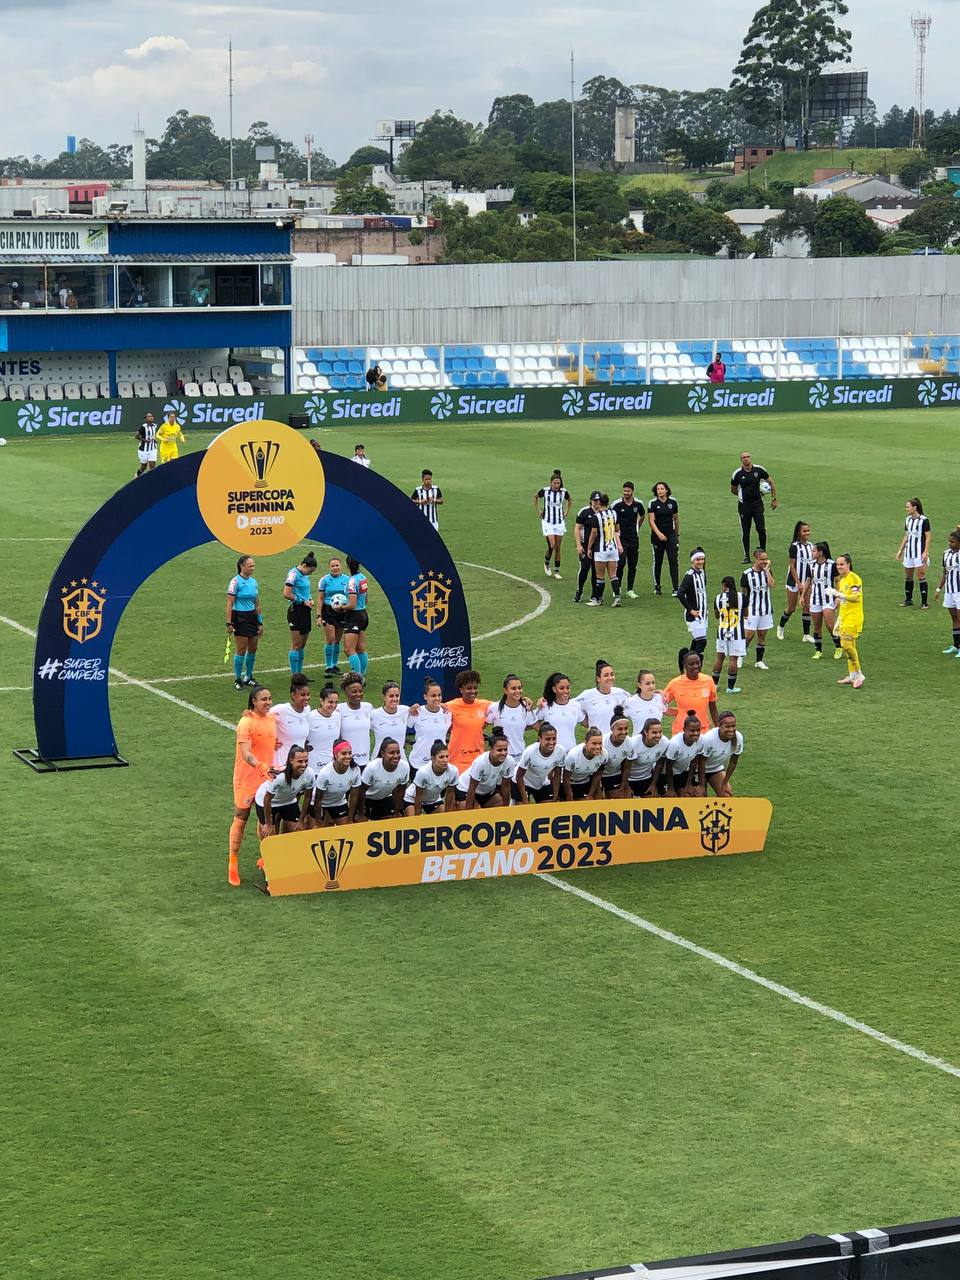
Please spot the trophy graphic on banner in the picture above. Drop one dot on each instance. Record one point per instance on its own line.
(331, 856)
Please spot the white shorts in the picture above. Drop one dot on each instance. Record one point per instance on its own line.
(607, 557)
(697, 629)
(951, 600)
(914, 562)
(551, 530)
(817, 607)
(733, 648)
(763, 622)
(147, 455)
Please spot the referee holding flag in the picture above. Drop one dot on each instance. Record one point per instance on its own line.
(748, 485)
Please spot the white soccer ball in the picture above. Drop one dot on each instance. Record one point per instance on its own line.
(765, 486)
(338, 601)
(3, 441)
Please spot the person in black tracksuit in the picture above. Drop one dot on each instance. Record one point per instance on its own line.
(745, 486)
(663, 516)
(629, 515)
(586, 522)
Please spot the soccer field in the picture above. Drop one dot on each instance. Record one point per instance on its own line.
(495, 1080)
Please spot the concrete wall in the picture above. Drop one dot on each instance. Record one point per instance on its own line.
(598, 301)
(345, 243)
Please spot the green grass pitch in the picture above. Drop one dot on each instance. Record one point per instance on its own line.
(493, 1080)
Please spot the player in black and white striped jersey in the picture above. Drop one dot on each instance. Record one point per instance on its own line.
(950, 586)
(428, 497)
(146, 445)
(731, 632)
(553, 520)
(914, 551)
(607, 550)
(800, 557)
(823, 577)
(692, 594)
(757, 585)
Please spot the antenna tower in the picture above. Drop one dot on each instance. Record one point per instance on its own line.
(309, 140)
(920, 25)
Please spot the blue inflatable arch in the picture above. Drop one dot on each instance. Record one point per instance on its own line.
(156, 518)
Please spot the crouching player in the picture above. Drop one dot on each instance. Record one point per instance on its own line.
(282, 802)
(721, 749)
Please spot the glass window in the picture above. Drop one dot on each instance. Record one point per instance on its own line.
(145, 286)
(67, 288)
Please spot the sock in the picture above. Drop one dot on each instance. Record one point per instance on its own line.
(583, 575)
(301, 654)
(615, 584)
(836, 640)
(556, 563)
(237, 666)
(923, 591)
(908, 590)
(956, 639)
(601, 586)
(731, 681)
(761, 650)
(364, 659)
(252, 658)
(784, 619)
(236, 836)
(818, 642)
(805, 620)
(853, 658)
(716, 678)
(355, 662)
(328, 656)
(292, 656)
(546, 558)
(334, 653)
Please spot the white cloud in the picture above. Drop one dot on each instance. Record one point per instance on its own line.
(158, 45)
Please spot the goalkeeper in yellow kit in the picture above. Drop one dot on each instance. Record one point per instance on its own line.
(168, 434)
(849, 596)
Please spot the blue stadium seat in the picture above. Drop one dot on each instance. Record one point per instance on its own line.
(355, 366)
(340, 369)
(501, 379)
(486, 378)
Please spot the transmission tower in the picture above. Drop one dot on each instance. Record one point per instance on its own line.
(920, 25)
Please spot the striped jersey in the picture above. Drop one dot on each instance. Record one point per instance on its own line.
(606, 521)
(428, 496)
(695, 582)
(821, 577)
(554, 501)
(147, 435)
(951, 572)
(729, 617)
(916, 527)
(756, 592)
(802, 553)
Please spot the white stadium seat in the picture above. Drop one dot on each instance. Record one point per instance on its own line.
(218, 373)
(769, 371)
(71, 391)
(243, 388)
(158, 388)
(191, 388)
(305, 382)
(105, 390)
(201, 375)
(141, 389)
(208, 388)
(54, 391)
(16, 391)
(36, 390)
(320, 384)
(183, 374)
(88, 391)
(227, 389)
(236, 373)
(125, 390)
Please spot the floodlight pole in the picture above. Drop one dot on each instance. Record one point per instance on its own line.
(573, 151)
(230, 98)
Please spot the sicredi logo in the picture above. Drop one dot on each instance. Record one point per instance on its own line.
(699, 399)
(203, 411)
(32, 417)
(571, 402)
(950, 392)
(606, 402)
(443, 405)
(927, 391)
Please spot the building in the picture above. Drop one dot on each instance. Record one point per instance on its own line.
(862, 188)
(135, 299)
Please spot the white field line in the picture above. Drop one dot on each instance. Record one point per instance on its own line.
(665, 935)
(64, 538)
(795, 997)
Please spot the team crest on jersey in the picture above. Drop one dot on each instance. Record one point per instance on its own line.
(331, 856)
(260, 455)
(430, 597)
(82, 603)
(715, 825)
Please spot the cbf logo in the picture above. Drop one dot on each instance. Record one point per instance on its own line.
(315, 407)
(177, 407)
(260, 455)
(819, 395)
(441, 405)
(715, 824)
(698, 400)
(571, 402)
(927, 392)
(29, 418)
(82, 603)
(331, 856)
(430, 598)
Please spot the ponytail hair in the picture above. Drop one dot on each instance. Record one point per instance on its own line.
(506, 680)
(295, 749)
(618, 714)
(242, 561)
(496, 735)
(592, 732)
(545, 727)
(824, 549)
(387, 742)
(549, 696)
(729, 591)
(640, 674)
(438, 746)
(388, 685)
(797, 527)
(310, 560)
(915, 502)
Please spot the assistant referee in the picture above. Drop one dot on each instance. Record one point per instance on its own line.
(746, 486)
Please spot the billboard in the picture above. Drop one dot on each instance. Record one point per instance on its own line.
(839, 94)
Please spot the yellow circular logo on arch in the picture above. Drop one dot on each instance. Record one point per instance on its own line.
(260, 487)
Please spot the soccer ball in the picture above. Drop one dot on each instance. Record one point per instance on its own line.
(2, 441)
(765, 486)
(339, 601)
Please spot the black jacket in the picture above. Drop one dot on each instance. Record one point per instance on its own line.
(687, 595)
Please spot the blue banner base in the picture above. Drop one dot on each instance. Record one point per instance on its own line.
(31, 757)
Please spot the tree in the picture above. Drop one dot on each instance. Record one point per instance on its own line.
(841, 229)
(595, 117)
(364, 157)
(943, 141)
(936, 222)
(787, 45)
(441, 134)
(698, 151)
(515, 113)
(915, 171)
(355, 194)
(552, 126)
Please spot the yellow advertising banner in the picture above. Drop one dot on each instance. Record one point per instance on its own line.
(483, 843)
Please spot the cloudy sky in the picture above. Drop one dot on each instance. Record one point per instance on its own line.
(75, 66)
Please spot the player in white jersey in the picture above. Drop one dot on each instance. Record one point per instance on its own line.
(731, 634)
(721, 749)
(428, 497)
(561, 710)
(389, 720)
(146, 445)
(355, 718)
(823, 579)
(800, 557)
(646, 767)
(553, 514)
(337, 792)
(598, 704)
(541, 768)
(683, 760)
(618, 748)
(607, 551)
(293, 719)
(692, 594)
(324, 727)
(914, 551)
(950, 586)
(486, 784)
(513, 714)
(646, 704)
(434, 785)
(429, 722)
(757, 585)
(383, 782)
(283, 802)
(583, 766)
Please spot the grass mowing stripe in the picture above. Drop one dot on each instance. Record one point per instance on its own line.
(743, 972)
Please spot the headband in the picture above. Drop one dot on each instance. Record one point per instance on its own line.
(340, 744)
(694, 554)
